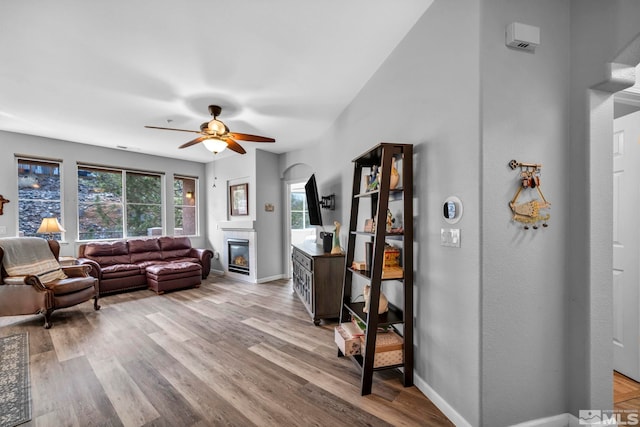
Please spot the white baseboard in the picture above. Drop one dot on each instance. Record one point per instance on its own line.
(561, 420)
(573, 421)
(272, 278)
(247, 279)
(442, 404)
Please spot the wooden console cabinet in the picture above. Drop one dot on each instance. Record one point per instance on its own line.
(317, 279)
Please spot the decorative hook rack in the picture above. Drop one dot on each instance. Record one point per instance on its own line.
(529, 213)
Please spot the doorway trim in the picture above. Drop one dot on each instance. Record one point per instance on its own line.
(598, 296)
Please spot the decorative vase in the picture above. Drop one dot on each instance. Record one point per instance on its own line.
(383, 303)
(336, 249)
(395, 176)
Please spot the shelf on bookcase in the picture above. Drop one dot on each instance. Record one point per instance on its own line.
(389, 276)
(393, 316)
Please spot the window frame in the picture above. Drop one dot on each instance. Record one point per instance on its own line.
(305, 209)
(123, 203)
(196, 196)
(42, 160)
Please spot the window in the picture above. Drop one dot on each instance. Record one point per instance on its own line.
(299, 211)
(144, 204)
(38, 194)
(185, 205)
(114, 204)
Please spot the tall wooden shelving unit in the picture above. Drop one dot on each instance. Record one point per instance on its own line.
(399, 318)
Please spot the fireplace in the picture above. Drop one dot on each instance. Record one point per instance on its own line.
(238, 250)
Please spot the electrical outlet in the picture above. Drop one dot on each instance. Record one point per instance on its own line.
(216, 255)
(3, 229)
(450, 237)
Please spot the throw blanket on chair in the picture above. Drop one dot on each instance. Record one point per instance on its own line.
(25, 256)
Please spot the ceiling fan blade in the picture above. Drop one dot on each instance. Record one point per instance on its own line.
(234, 146)
(247, 137)
(193, 142)
(180, 130)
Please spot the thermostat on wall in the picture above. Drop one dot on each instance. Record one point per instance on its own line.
(452, 209)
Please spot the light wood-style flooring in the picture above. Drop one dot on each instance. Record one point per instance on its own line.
(228, 353)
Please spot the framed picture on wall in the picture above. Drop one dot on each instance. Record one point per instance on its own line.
(239, 199)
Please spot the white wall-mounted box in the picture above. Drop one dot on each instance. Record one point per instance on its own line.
(522, 36)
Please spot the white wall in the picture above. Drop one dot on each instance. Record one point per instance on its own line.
(427, 94)
(73, 153)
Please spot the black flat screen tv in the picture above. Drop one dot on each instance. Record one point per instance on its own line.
(313, 201)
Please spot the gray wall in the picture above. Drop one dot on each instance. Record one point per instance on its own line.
(71, 153)
(427, 94)
(521, 308)
(260, 170)
(231, 169)
(525, 117)
(509, 309)
(269, 225)
(600, 31)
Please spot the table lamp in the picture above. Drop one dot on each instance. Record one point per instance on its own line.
(50, 226)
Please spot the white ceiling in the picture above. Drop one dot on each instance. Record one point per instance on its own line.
(97, 72)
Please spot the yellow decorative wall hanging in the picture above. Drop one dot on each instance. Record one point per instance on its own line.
(533, 212)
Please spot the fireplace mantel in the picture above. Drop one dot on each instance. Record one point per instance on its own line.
(242, 225)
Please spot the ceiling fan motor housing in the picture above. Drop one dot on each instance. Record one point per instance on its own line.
(215, 110)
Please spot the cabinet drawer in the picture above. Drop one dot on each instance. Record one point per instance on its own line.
(303, 260)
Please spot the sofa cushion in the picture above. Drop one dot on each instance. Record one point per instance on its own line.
(120, 270)
(144, 264)
(172, 268)
(108, 253)
(70, 285)
(183, 259)
(174, 247)
(144, 250)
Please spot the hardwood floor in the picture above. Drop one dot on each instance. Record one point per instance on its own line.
(626, 393)
(227, 353)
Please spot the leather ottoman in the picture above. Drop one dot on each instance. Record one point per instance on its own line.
(175, 275)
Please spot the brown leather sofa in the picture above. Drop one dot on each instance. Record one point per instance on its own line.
(20, 295)
(122, 265)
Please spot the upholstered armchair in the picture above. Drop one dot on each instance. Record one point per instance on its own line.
(33, 282)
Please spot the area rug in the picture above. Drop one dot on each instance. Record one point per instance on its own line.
(15, 390)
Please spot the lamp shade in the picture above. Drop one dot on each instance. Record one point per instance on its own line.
(214, 145)
(50, 225)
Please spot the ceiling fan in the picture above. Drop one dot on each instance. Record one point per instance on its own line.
(215, 135)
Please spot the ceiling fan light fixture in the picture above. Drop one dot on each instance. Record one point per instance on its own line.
(215, 135)
(217, 127)
(215, 145)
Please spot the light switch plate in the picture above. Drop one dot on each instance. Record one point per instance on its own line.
(450, 237)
